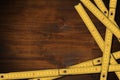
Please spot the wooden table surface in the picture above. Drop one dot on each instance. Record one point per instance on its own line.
(47, 34)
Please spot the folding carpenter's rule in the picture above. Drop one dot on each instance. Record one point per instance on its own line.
(105, 64)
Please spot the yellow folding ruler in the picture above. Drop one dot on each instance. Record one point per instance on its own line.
(106, 56)
(91, 66)
(57, 72)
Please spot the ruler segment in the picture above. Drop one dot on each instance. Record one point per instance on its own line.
(108, 23)
(57, 72)
(30, 74)
(89, 70)
(106, 55)
(112, 10)
(113, 4)
(101, 6)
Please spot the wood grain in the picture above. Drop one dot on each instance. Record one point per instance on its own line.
(45, 34)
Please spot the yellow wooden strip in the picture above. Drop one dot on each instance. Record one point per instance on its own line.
(89, 70)
(30, 74)
(101, 6)
(106, 55)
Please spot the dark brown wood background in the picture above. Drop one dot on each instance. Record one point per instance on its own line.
(47, 34)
